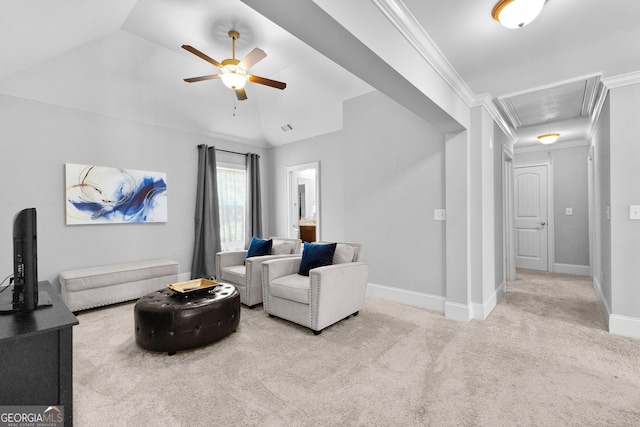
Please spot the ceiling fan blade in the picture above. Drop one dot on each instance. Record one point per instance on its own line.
(267, 82)
(201, 78)
(252, 58)
(201, 55)
(241, 94)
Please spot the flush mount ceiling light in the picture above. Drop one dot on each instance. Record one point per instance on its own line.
(517, 13)
(548, 138)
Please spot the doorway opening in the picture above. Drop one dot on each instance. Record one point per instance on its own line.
(303, 190)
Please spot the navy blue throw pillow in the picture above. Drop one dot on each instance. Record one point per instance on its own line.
(316, 255)
(259, 247)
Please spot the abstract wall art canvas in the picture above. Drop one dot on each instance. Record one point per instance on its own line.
(104, 195)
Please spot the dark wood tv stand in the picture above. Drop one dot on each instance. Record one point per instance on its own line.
(36, 365)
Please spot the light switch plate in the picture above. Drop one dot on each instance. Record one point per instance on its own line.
(569, 211)
(634, 212)
(439, 214)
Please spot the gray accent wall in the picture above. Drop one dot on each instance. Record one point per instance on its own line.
(382, 176)
(625, 191)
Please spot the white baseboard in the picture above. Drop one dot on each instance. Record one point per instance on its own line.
(576, 270)
(617, 324)
(457, 311)
(482, 311)
(623, 325)
(403, 296)
(451, 310)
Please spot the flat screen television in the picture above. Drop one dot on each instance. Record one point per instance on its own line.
(25, 260)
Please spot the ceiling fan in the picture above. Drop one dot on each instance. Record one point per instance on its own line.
(234, 72)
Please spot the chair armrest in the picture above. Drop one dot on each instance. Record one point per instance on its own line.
(280, 267)
(337, 291)
(227, 259)
(339, 275)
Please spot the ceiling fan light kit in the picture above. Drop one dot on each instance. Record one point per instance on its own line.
(548, 138)
(234, 72)
(517, 13)
(233, 76)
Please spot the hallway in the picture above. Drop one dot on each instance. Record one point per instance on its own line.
(558, 296)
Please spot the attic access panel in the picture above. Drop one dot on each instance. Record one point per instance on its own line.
(561, 102)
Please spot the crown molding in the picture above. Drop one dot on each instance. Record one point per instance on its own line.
(506, 107)
(405, 22)
(590, 96)
(555, 146)
(600, 97)
(489, 105)
(622, 80)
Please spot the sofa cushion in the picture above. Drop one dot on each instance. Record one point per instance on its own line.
(316, 255)
(293, 287)
(344, 253)
(281, 247)
(259, 247)
(235, 274)
(107, 275)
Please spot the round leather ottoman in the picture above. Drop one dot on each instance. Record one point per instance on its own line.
(169, 321)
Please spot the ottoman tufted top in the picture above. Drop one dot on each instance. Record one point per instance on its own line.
(166, 300)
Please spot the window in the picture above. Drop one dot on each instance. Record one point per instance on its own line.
(231, 200)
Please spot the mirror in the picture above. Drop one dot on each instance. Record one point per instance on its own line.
(303, 184)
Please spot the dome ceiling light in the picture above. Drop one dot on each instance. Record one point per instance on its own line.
(517, 13)
(548, 138)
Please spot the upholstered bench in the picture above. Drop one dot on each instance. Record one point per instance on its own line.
(168, 321)
(86, 288)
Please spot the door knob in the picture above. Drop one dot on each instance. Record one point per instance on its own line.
(542, 223)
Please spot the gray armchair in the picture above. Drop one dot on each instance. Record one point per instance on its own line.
(246, 274)
(328, 295)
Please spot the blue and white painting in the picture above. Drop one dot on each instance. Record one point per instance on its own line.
(99, 195)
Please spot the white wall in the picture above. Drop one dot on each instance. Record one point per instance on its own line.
(37, 139)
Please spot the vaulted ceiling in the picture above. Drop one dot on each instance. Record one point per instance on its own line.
(122, 58)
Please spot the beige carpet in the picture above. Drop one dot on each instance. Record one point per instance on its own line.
(542, 357)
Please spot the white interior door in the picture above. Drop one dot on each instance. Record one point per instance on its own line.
(531, 222)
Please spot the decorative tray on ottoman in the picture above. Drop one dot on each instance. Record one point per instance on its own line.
(192, 285)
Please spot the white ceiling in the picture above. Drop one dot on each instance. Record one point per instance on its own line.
(122, 58)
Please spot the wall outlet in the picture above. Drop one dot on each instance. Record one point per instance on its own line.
(569, 211)
(634, 212)
(439, 214)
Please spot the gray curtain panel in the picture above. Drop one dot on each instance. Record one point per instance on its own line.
(207, 218)
(253, 220)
